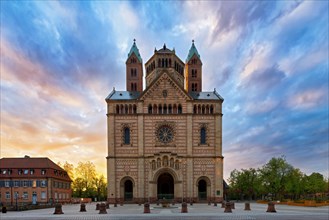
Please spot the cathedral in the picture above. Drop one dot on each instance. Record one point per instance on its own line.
(164, 141)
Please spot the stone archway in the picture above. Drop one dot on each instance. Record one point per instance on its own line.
(165, 186)
(203, 185)
(127, 188)
(202, 190)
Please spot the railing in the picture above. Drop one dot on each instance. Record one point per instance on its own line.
(202, 195)
(165, 196)
(128, 195)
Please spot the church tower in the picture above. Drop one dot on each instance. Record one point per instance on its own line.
(134, 70)
(193, 71)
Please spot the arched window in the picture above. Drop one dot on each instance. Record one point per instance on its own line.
(132, 86)
(126, 109)
(150, 109)
(162, 62)
(194, 109)
(160, 109)
(135, 109)
(165, 109)
(203, 135)
(169, 109)
(118, 109)
(203, 109)
(159, 63)
(180, 111)
(126, 137)
(211, 109)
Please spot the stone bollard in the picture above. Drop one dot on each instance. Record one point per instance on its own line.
(271, 207)
(58, 209)
(97, 206)
(147, 208)
(223, 204)
(107, 205)
(4, 209)
(232, 205)
(83, 207)
(247, 206)
(228, 207)
(184, 207)
(102, 208)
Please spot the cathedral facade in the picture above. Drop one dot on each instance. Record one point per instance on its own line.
(164, 141)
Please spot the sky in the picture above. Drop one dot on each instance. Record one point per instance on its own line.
(267, 59)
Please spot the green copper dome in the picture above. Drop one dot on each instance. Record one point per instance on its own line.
(135, 50)
(192, 51)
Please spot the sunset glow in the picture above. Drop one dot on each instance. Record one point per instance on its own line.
(269, 61)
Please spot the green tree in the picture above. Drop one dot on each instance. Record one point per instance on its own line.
(244, 183)
(275, 175)
(100, 187)
(294, 186)
(315, 183)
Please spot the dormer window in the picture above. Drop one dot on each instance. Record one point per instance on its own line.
(26, 172)
(43, 172)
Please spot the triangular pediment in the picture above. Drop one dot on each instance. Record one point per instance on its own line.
(165, 88)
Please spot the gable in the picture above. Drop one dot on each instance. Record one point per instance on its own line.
(165, 88)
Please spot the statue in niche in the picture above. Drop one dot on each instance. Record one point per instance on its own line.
(177, 165)
(153, 165)
(172, 162)
(165, 161)
(159, 163)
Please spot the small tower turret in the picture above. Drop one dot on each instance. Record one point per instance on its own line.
(193, 70)
(134, 70)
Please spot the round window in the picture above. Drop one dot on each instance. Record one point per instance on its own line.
(165, 134)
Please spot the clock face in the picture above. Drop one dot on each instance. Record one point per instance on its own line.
(165, 134)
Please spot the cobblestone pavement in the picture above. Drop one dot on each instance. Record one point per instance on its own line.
(195, 212)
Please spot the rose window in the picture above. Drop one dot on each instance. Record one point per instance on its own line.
(165, 134)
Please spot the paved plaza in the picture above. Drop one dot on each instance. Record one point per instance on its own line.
(195, 212)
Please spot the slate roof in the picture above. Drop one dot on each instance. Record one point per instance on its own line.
(126, 95)
(123, 95)
(206, 95)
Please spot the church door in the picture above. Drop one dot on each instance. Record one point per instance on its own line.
(202, 190)
(165, 186)
(128, 194)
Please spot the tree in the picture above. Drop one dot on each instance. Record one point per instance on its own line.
(244, 183)
(101, 189)
(315, 183)
(69, 168)
(275, 175)
(294, 185)
(87, 172)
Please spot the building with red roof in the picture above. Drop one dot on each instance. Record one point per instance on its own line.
(31, 180)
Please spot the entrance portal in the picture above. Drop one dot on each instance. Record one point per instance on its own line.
(165, 186)
(128, 193)
(202, 190)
